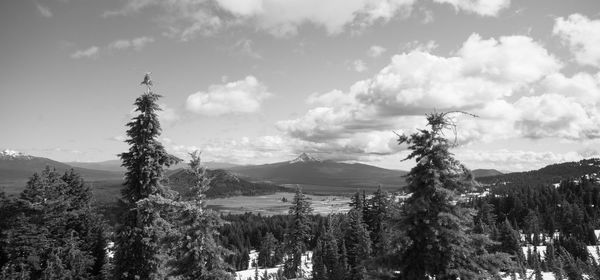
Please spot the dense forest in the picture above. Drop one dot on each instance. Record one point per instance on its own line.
(52, 231)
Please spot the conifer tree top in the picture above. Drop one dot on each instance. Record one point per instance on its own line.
(146, 156)
(431, 150)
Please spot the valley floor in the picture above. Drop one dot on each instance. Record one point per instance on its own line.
(274, 204)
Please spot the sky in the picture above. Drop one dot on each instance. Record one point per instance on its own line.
(261, 81)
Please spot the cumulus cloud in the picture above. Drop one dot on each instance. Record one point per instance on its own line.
(583, 87)
(136, 44)
(43, 10)
(91, 52)
(480, 7)
(498, 79)
(556, 116)
(243, 150)
(243, 96)
(186, 19)
(376, 51)
(582, 35)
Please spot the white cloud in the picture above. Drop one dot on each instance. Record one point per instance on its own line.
(43, 10)
(243, 96)
(359, 66)
(244, 150)
(91, 52)
(486, 77)
(583, 87)
(375, 51)
(582, 35)
(480, 7)
(187, 19)
(556, 116)
(283, 18)
(136, 44)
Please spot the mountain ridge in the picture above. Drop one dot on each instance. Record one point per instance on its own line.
(311, 171)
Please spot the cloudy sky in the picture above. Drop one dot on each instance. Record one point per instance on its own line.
(259, 81)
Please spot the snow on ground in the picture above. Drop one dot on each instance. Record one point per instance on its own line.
(545, 276)
(593, 251)
(272, 271)
(539, 249)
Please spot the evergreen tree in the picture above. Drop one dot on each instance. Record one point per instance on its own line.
(197, 253)
(359, 244)
(572, 268)
(508, 239)
(50, 235)
(377, 214)
(138, 248)
(268, 247)
(437, 227)
(298, 234)
(319, 271)
(343, 261)
(334, 263)
(356, 201)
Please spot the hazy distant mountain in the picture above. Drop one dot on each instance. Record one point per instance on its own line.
(17, 167)
(109, 165)
(480, 173)
(309, 170)
(115, 165)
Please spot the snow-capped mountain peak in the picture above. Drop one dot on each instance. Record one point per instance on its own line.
(304, 157)
(11, 154)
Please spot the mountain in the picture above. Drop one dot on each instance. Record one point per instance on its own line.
(115, 165)
(480, 173)
(223, 184)
(16, 167)
(550, 174)
(109, 165)
(311, 171)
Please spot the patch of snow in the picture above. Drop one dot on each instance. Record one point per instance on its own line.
(12, 154)
(541, 250)
(272, 271)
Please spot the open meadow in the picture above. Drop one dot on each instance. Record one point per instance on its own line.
(274, 204)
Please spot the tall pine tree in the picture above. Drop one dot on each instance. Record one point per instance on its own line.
(138, 249)
(435, 229)
(298, 234)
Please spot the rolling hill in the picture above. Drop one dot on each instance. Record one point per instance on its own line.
(480, 173)
(550, 174)
(223, 184)
(310, 171)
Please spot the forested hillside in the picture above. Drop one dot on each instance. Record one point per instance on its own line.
(222, 184)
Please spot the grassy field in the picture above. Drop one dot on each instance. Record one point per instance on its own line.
(272, 204)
